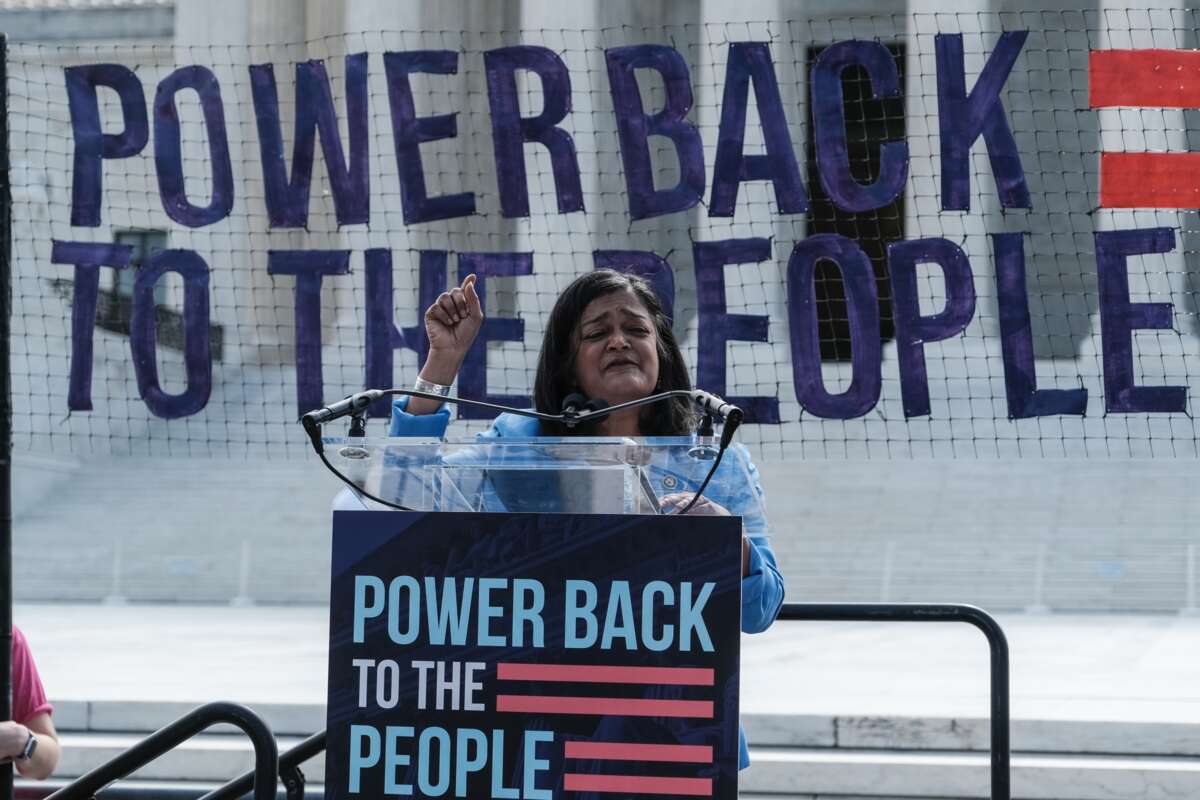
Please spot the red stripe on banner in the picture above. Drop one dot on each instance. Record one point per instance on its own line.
(636, 784)
(622, 751)
(1146, 78)
(591, 673)
(604, 706)
(1150, 180)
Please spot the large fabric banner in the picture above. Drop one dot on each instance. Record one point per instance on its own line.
(930, 234)
(533, 655)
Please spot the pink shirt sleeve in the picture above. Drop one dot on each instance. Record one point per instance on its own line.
(29, 697)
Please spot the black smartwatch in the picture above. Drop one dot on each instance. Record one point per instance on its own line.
(29, 749)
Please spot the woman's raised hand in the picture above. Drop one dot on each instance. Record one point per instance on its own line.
(452, 322)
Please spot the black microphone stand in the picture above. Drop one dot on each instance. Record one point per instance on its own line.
(355, 406)
(711, 406)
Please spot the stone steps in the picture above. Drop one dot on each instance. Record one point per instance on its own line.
(141, 790)
(793, 771)
(209, 757)
(794, 756)
(770, 730)
(120, 716)
(894, 773)
(1070, 737)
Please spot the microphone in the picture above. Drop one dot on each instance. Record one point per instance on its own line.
(572, 405)
(357, 403)
(731, 415)
(342, 408)
(354, 404)
(711, 404)
(577, 408)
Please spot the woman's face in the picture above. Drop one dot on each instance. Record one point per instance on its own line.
(617, 356)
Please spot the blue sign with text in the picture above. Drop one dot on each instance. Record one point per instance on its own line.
(533, 655)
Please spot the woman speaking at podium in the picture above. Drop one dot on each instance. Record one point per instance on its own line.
(606, 338)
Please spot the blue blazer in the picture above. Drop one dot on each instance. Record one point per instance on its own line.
(762, 588)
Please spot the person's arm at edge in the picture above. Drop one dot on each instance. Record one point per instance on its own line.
(45, 756)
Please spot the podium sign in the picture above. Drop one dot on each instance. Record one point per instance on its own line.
(540, 656)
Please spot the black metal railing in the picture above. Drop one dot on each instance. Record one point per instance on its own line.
(289, 772)
(268, 764)
(293, 779)
(937, 612)
(266, 755)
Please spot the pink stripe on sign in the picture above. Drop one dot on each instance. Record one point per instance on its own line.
(622, 751)
(604, 706)
(637, 784)
(593, 673)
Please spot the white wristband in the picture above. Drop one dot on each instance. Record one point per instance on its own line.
(429, 387)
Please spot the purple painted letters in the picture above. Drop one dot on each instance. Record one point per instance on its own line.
(409, 131)
(862, 306)
(962, 118)
(829, 126)
(634, 126)
(510, 130)
(87, 257)
(287, 201)
(914, 330)
(718, 327)
(197, 357)
(309, 267)
(168, 161)
(91, 145)
(752, 61)
(1016, 339)
(1119, 318)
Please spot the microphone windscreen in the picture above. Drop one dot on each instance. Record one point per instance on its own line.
(576, 400)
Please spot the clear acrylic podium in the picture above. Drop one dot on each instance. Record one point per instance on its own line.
(599, 475)
(574, 520)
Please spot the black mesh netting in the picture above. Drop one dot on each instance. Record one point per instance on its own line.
(195, 184)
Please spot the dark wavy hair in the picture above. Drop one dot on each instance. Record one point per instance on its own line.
(556, 364)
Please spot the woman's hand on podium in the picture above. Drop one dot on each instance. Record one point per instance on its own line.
(452, 322)
(675, 502)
